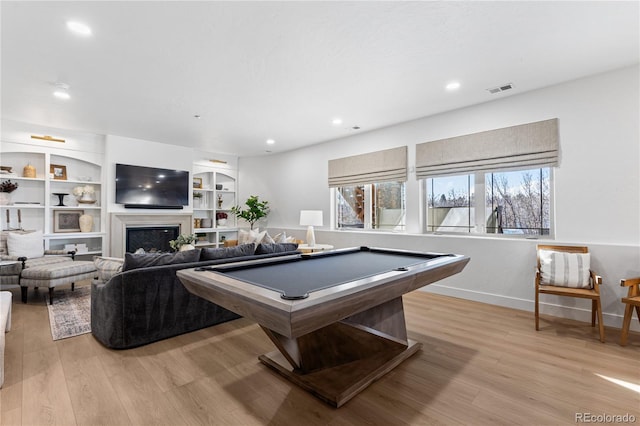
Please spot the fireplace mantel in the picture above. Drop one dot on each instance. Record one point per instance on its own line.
(120, 222)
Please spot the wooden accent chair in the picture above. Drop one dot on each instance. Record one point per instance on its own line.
(632, 301)
(550, 285)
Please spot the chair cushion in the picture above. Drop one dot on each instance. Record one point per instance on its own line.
(28, 245)
(564, 269)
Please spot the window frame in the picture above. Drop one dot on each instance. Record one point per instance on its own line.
(368, 206)
(480, 200)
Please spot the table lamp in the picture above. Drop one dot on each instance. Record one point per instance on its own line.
(311, 218)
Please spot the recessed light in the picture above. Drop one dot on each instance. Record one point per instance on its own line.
(454, 85)
(79, 28)
(355, 128)
(61, 90)
(61, 94)
(270, 141)
(198, 117)
(336, 121)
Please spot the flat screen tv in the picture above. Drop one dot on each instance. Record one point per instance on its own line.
(151, 188)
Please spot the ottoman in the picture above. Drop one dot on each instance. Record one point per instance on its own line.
(55, 274)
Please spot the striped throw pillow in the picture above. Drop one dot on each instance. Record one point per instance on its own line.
(565, 269)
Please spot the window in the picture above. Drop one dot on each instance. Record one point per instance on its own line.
(451, 206)
(514, 202)
(371, 206)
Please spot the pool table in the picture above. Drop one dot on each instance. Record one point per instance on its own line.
(336, 317)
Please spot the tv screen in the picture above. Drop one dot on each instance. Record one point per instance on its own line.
(150, 187)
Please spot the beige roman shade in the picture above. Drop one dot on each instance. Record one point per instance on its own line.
(380, 166)
(527, 145)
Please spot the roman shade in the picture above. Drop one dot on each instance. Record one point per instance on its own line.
(380, 166)
(525, 146)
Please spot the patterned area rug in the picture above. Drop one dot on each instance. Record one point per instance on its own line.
(70, 314)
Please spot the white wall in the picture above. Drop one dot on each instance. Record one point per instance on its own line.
(597, 189)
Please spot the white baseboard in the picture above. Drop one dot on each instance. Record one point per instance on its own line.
(578, 314)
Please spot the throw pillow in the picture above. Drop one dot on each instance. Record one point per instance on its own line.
(250, 236)
(144, 260)
(280, 238)
(227, 252)
(565, 269)
(29, 245)
(107, 267)
(276, 248)
(267, 238)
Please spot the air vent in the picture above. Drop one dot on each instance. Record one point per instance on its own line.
(502, 88)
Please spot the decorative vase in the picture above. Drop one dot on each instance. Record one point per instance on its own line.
(29, 171)
(86, 223)
(222, 222)
(185, 247)
(5, 198)
(86, 197)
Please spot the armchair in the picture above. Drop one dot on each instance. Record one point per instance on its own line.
(565, 271)
(27, 250)
(631, 301)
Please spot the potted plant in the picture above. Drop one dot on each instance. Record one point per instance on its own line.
(197, 199)
(221, 218)
(183, 242)
(256, 210)
(6, 188)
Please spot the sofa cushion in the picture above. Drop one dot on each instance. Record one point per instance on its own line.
(28, 245)
(227, 252)
(276, 248)
(107, 267)
(144, 260)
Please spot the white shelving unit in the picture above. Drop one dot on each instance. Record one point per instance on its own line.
(35, 198)
(218, 196)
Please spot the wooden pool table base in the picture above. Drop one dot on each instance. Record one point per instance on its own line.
(339, 384)
(339, 360)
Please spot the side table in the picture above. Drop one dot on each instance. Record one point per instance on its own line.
(306, 248)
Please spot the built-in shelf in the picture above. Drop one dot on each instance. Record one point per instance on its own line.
(84, 168)
(212, 202)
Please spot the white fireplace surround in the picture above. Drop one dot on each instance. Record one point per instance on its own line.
(120, 223)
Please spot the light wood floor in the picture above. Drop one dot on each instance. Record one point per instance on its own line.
(480, 365)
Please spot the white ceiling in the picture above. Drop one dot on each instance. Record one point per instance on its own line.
(284, 70)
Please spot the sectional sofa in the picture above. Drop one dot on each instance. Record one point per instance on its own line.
(139, 300)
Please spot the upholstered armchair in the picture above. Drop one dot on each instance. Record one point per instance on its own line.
(27, 249)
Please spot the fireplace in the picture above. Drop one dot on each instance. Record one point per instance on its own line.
(151, 239)
(121, 223)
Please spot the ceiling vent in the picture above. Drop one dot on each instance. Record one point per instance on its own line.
(502, 88)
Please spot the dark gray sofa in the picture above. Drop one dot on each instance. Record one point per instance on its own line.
(147, 304)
